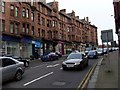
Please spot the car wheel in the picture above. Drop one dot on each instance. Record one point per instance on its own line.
(86, 64)
(64, 68)
(18, 75)
(82, 66)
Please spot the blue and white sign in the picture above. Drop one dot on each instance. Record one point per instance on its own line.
(37, 44)
(107, 35)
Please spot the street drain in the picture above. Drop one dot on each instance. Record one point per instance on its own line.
(59, 83)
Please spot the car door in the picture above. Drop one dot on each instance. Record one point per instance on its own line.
(8, 69)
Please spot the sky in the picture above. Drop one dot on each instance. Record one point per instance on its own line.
(100, 13)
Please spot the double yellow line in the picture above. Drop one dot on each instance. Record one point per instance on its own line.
(87, 77)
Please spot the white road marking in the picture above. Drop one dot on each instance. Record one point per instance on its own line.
(38, 79)
(52, 65)
(61, 68)
(37, 66)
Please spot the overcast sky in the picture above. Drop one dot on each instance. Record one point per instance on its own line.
(100, 12)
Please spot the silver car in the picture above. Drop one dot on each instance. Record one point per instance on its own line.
(75, 61)
(11, 69)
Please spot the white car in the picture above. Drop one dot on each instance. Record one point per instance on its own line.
(11, 69)
(100, 51)
(75, 61)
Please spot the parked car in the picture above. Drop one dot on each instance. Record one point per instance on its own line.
(49, 57)
(105, 50)
(87, 50)
(92, 54)
(75, 61)
(11, 69)
(100, 51)
(25, 61)
(58, 53)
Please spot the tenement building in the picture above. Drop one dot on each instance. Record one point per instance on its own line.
(116, 4)
(28, 27)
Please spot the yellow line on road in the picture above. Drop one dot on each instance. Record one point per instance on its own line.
(86, 78)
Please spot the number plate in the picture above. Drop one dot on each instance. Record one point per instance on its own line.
(70, 65)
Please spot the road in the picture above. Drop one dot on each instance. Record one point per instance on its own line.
(50, 75)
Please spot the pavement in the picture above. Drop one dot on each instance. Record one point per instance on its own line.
(106, 73)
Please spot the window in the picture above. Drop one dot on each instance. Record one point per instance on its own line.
(32, 30)
(3, 25)
(31, 3)
(23, 12)
(48, 12)
(43, 9)
(39, 7)
(27, 30)
(53, 24)
(32, 16)
(43, 21)
(7, 62)
(27, 13)
(43, 33)
(3, 7)
(56, 24)
(11, 27)
(16, 11)
(39, 32)
(72, 29)
(34, 1)
(48, 23)
(16, 28)
(12, 10)
(23, 27)
(38, 18)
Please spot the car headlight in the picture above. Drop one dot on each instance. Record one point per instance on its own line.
(77, 63)
(63, 63)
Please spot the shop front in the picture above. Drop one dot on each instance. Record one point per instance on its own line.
(46, 46)
(10, 45)
(60, 47)
(26, 47)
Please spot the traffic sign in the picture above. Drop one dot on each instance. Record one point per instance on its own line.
(107, 35)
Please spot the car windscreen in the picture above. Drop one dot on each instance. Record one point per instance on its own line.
(99, 50)
(75, 56)
(91, 53)
(88, 49)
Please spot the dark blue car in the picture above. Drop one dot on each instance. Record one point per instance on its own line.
(49, 57)
(92, 54)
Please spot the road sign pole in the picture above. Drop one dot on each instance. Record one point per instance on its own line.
(109, 70)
